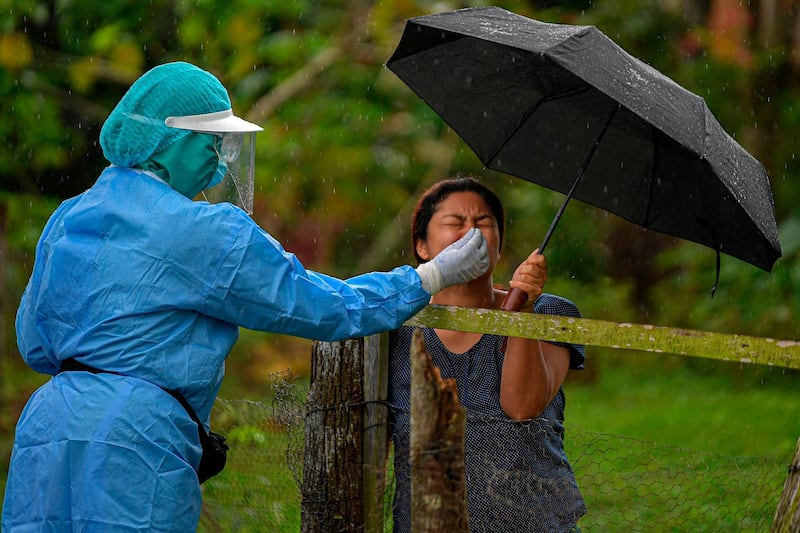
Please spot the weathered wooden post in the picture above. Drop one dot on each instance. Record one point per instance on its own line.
(787, 516)
(344, 473)
(332, 467)
(376, 385)
(438, 489)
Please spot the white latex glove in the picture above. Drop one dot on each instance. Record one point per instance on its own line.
(462, 261)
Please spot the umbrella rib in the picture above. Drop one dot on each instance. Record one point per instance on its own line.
(530, 112)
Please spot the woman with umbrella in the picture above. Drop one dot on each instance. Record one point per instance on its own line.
(138, 292)
(518, 476)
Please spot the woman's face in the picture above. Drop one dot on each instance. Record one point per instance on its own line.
(453, 217)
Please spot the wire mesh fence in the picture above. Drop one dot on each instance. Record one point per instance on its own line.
(627, 484)
(636, 485)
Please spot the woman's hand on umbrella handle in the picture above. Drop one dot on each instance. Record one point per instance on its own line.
(527, 284)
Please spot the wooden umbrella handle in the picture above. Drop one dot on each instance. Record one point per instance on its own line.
(515, 299)
(513, 302)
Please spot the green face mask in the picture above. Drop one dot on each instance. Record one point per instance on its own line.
(188, 165)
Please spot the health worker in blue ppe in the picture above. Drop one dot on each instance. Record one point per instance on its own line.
(147, 286)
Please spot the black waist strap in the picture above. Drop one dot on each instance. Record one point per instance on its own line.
(73, 365)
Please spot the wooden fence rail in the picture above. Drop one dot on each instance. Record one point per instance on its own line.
(371, 355)
(643, 337)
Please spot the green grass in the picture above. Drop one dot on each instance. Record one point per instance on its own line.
(660, 443)
(722, 408)
(255, 493)
(257, 490)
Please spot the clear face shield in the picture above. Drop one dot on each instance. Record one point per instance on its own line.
(235, 146)
(236, 152)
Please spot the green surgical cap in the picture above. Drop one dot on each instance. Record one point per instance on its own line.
(135, 130)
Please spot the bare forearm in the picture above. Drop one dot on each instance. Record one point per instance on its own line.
(533, 371)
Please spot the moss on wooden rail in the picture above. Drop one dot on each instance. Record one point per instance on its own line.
(644, 337)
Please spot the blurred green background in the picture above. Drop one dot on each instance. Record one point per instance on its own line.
(347, 148)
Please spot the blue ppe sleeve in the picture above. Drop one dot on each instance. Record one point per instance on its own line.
(261, 286)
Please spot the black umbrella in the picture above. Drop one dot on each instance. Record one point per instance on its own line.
(567, 108)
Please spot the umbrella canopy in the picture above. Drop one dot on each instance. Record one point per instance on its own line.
(565, 107)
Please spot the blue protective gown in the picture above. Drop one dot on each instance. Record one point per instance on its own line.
(132, 277)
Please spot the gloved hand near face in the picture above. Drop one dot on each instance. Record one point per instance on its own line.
(462, 261)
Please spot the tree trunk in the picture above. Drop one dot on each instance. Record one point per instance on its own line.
(787, 516)
(438, 490)
(332, 472)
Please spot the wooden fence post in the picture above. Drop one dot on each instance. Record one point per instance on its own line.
(787, 516)
(438, 488)
(375, 446)
(332, 466)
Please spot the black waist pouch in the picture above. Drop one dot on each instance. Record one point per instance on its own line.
(215, 454)
(215, 451)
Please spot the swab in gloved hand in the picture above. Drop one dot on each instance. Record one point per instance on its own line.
(462, 261)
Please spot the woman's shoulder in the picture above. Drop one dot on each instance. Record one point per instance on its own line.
(552, 304)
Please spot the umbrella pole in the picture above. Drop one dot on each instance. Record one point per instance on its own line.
(516, 297)
(561, 209)
(571, 192)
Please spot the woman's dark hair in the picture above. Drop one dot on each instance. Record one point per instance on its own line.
(430, 200)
